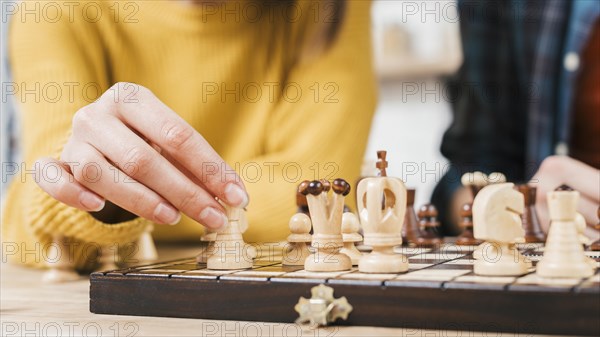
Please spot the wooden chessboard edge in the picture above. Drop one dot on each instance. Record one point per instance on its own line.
(396, 306)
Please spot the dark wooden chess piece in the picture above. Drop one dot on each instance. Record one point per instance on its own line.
(475, 182)
(467, 238)
(382, 164)
(301, 203)
(410, 229)
(596, 244)
(429, 227)
(531, 223)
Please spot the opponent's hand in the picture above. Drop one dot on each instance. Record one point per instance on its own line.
(131, 149)
(558, 170)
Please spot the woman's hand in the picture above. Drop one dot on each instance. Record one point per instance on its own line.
(131, 149)
(558, 170)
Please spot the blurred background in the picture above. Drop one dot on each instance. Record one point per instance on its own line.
(415, 45)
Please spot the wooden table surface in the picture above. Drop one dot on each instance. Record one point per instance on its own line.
(30, 307)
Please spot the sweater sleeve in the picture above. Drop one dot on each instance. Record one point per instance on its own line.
(320, 128)
(58, 68)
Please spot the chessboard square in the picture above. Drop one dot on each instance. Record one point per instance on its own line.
(534, 279)
(256, 273)
(592, 281)
(236, 277)
(356, 275)
(457, 248)
(210, 272)
(271, 269)
(535, 246)
(485, 279)
(268, 260)
(195, 276)
(593, 254)
(318, 275)
(181, 267)
(436, 272)
(417, 266)
(154, 266)
(442, 256)
(166, 270)
(534, 257)
(465, 262)
(432, 275)
(411, 250)
(447, 266)
(151, 272)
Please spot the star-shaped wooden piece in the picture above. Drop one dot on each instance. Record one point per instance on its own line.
(322, 308)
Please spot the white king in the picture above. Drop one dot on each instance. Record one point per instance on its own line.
(381, 206)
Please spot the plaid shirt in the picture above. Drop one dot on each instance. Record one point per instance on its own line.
(513, 95)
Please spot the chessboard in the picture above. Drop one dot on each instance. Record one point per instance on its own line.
(439, 291)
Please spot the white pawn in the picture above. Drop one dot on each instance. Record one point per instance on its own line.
(563, 255)
(107, 257)
(60, 260)
(300, 226)
(581, 225)
(230, 250)
(497, 210)
(146, 250)
(243, 228)
(209, 237)
(477, 178)
(350, 235)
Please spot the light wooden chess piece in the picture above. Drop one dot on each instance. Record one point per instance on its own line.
(60, 260)
(596, 244)
(107, 257)
(474, 181)
(209, 237)
(230, 250)
(326, 218)
(497, 213)
(382, 207)
(563, 255)
(350, 235)
(252, 252)
(146, 250)
(580, 225)
(299, 239)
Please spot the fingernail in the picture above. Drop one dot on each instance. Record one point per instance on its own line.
(236, 196)
(213, 218)
(167, 214)
(91, 201)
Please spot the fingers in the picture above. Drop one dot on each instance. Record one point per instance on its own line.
(56, 180)
(558, 170)
(172, 134)
(91, 170)
(144, 164)
(588, 209)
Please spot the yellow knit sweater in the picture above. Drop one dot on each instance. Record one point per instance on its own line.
(234, 77)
